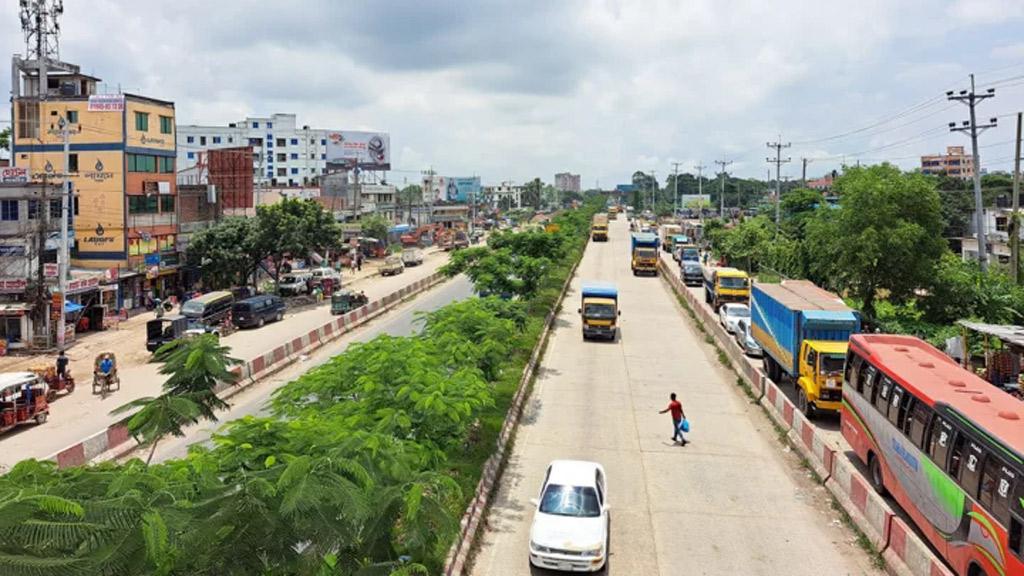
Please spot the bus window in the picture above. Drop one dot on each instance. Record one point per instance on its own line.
(996, 480)
(868, 381)
(882, 399)
(853, 363)
(970, 474)
(939, 440)
(1017, 521)
(897, 407)
(957, 456)
(917, 422)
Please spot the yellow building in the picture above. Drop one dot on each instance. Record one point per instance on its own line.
(122, 164)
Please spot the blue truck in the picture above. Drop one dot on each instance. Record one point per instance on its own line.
(804, 332)
(645, 253)
(599, 310)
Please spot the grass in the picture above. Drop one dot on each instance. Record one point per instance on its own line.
(863, 542)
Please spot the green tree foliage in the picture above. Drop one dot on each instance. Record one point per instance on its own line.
(375, 226)
(294, 228)
(5, 139)
(533, 193)
(886, 236)
(226, 253)
(961, 289)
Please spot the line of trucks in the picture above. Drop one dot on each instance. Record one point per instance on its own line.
(803, 330)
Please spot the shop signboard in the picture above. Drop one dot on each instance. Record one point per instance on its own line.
(13, 175)
(83, 285)
(152, 259)
(50, 270)
(106, 103)
(13, 285)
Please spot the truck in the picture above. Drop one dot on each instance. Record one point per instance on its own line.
(667, 232)
(723, 285)
(599, 228)
(613, 212)
(599, 310)
(644, 253)
(804, 332)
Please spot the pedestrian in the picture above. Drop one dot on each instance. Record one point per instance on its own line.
(677, 418)
(352, 262)
(159, 306)
(62, 365)
(359, 261)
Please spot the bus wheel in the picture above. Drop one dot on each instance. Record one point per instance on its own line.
(875, 468)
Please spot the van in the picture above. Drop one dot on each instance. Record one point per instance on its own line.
(209, 308)
(295, 283)
(257, 311)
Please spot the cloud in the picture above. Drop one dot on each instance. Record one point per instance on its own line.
(985, 11)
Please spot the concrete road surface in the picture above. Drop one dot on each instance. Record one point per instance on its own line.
(81, 414)
(730, 502)
(398, 322)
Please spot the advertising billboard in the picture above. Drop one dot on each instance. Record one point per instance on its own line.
(371, 150)
(452, 189)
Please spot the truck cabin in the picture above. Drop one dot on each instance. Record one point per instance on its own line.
(733, 280)
(824, 357)
(599, 309)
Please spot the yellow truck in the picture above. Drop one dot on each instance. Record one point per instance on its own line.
(613, 212)
(645, 254)
(599, 228)
(599, 310)
(723, 285)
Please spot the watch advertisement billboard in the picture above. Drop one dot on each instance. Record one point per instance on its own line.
(370, 150)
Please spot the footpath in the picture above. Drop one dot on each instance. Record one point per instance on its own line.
(905, 553)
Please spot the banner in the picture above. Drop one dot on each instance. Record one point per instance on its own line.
(106, 103)
(452, 189)
(13, 174)
(370, 150)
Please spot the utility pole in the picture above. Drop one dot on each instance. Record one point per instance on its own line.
(803, 174)
(1015, 216)
(971, 100)
(700, 189)
(778, 161)
(654, 189)
(64, 131)
(721, 196)
(675, 183)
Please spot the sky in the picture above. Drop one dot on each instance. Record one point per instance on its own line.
(523, 89)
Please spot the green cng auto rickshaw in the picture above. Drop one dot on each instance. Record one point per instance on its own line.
(344, 301)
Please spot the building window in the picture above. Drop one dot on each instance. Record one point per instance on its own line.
(142, 121)
(255, 124)
(55, 208)
(270, 173)
(295, 170)
(323, 142)
(280, 142)
(142, 204)
(165, 124)
(72, 116)
(141, 163)
(282, 171)
(202, 140)
(216, 139)
(323, 156)
(270, 143)
(1001, 223)
(295, 156)
(166, 204)
(230, 140)
(281, 157)
(190, 139)
(270, 124)
(165, 164)
(191, 155)
(312, 141)
(295, 141)
(28, 120)
(9, 210)
(72, 163)
(255, 142)
(312, 156)
(33, 209)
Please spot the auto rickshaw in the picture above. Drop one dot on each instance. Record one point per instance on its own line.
(54, 382)
(103, 378)
(160, 331)
(22, 399)
(344, 301)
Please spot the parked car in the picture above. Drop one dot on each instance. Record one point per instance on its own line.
(731, 313)
(257, 311)
(745, 339)
(392, 265)
(294, 284)
(412, 257)
(325, 273)
(570, 523)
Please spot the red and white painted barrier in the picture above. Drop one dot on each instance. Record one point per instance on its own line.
(855, 494)
(909, 555)
(805, 438)
(115, 440)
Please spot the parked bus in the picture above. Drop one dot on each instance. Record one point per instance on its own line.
(946, 444)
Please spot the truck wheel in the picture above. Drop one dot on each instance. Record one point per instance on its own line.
(805, 407)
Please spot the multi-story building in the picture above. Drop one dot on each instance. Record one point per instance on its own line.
(954, 163)
(121, 163)
(566, 182)
(504, 196)
(284, 154)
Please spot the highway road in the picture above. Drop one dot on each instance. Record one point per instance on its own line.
(398, 322)
(81, 414)
(733, 501)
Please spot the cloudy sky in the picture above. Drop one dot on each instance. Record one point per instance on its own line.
(517, 89)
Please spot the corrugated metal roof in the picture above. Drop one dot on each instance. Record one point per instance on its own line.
(1008, 333)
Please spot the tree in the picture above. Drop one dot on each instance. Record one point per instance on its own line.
(195, 367)
(294, 228)
(5, 139)
(886, 235)
(410, 195)
(532, 193)
(226, 253)
(375, 226)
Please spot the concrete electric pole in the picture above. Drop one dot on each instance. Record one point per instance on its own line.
(700, 190)
(63, 258)
(675, 185)
(971, 99)
(778, 161)
(721, 198)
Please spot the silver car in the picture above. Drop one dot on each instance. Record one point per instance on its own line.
(745, 339)
(730, 314)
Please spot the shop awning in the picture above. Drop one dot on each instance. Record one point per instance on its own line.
(1006, 332)
(71, 307)
(14, 309)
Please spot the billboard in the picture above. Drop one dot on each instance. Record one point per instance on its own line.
(106, 103)
(450, 189)
(371, 150)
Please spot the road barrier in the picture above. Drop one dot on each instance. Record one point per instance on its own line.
(458, 554)
(905, 553)
(115, 441)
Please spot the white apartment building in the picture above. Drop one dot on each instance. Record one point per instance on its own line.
(505, 195)
(284, 154)
(567, 182)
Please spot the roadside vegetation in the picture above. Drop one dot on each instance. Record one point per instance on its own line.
(882, 247)
(362, 466)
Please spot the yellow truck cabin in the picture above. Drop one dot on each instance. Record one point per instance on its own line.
(723, 285)
(599, 228)
(599, 310)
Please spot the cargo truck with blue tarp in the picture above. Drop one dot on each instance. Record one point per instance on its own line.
(644, 253)
(599, 310)
(804, 332)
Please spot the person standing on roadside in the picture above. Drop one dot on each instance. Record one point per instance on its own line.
(677, 418)
(62, 366)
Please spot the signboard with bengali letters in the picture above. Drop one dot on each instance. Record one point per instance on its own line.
(106, 103)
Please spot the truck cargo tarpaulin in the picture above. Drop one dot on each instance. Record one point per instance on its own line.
(370, 150)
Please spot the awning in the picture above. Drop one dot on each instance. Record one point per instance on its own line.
(1006, 332)
(71, 307)
(14, 309)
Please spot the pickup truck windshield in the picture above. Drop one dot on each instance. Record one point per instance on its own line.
(732, 282)
(599, 311)
(646, 253)
(832, 364)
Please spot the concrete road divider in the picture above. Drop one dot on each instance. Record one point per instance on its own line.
(804, 437)
(115, 439)
(867, 509)
(780, 409)
(909, 555)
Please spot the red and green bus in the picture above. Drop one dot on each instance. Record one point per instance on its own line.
(947, 445)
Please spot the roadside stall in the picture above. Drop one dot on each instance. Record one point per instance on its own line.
(1002, 350)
